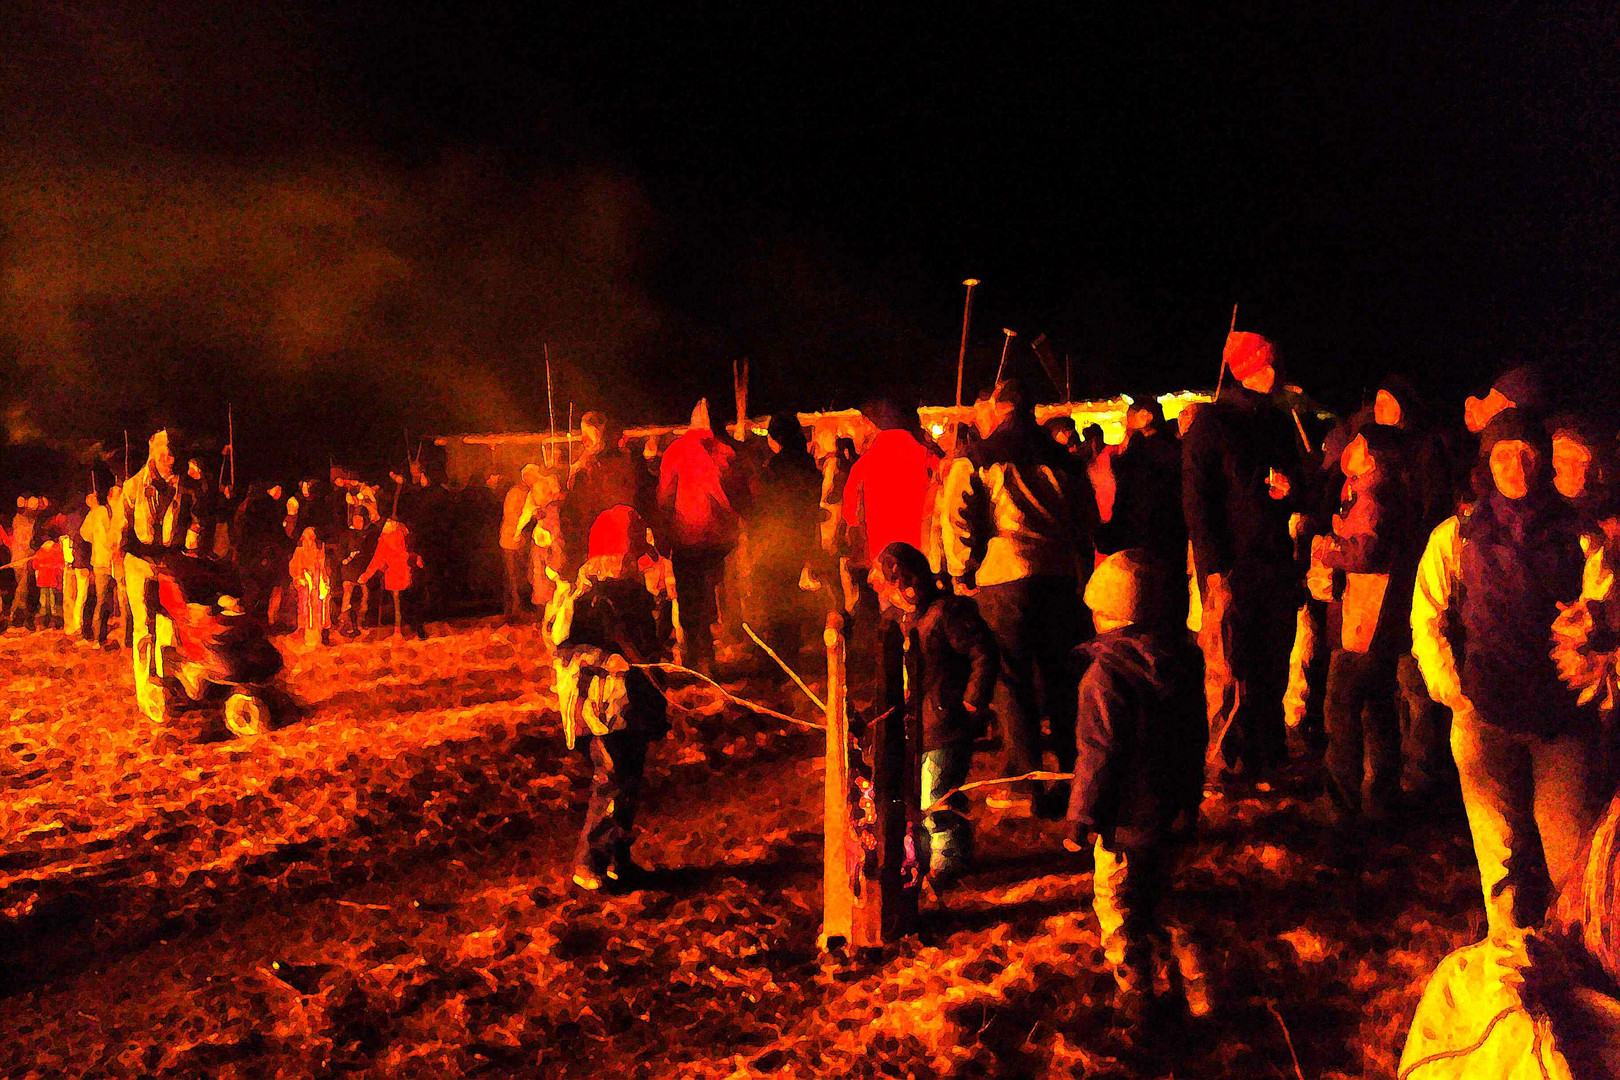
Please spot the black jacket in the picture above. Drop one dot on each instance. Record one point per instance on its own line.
(959, 665)
(1147, 501)
(618, 615)
(1140, 731)
(1232, 519)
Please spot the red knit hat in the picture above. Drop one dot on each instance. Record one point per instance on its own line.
(618, 530)
(1247, 353)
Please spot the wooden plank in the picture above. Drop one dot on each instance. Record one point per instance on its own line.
(837, 903)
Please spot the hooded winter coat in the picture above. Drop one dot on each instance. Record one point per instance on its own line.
(1376, 543)
(888, 490)
(393, 559)
(959, 666)
(1232, 446)
(1022, 511)
(1147, 500)
(694, 492)
(1141, 733)
(1520, 559)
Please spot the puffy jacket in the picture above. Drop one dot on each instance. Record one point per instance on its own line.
(888, 492)
(1231, 448)
(1021, 511)
(393, 559)
(48, 564)
(959, 665)
(1375, 542)
(1140, 732)
(692, 491)
(1487, 593)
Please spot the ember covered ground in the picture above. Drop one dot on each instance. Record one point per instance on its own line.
(381, 889)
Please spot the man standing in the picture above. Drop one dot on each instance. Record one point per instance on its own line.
(1020, 533)
(151, 528)
(702, 526)
(1528, 757)
(1240, 481)
(101, 541)
(22, 554)
(515, 540)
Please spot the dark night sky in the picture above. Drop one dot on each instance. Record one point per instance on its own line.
(349, 218)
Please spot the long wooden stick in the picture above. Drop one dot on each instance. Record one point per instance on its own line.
(568, 444)
(961, 354)
(1222, 376)
(998, 781)
(230, 427)
(837, 920)
(794, 675)
(752, 706)
(551, 412)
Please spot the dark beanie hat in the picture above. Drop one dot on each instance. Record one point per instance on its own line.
(1513, 425)
(1523, 386)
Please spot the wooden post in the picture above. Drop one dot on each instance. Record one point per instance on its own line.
(961, 353)
(886, 900)
(836, 899)
(739, 390)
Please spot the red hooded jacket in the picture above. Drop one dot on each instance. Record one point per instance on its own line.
(692, 487)
(888, 491)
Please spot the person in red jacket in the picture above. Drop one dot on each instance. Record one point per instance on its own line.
(49, 566)
(887, 495)
(393, 559)
(700, 524)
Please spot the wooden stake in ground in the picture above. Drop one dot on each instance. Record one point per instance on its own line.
(837, 903)
(891, 865)
(739, 390)
(551, 413)
(961, 354)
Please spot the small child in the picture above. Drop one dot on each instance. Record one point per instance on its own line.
(393, 559)
(959, 664)
(1141, 733)
(49, 567)
(312, 579)
(601, 628)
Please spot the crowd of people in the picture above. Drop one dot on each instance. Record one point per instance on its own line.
(1423, 599)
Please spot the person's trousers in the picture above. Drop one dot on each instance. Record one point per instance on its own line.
(50, 608)
(1246, 665)
(1426, 764)
(140, 582)
(950, 830)
(19, 601)
(106, 601)
(75, 589)
(1530, 800)
(1363, 731)
(1304, 701)
(698, 572)
(1036, 622)
(516, 565)
(1127, 884)
(618, 760)
(350, 615)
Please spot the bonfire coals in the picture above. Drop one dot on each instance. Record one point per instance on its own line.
(380, 889)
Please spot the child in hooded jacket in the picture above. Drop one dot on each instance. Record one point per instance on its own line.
(601, 628)
(1141, 732)
(958, 674)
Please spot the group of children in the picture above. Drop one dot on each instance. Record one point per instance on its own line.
(1140, 727)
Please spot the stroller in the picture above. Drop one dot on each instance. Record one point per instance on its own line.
(210, 647)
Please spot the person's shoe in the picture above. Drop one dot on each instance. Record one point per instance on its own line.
(588, 879)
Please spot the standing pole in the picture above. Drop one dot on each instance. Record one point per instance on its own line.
(568, 445)
(739, 390)
(1068, 381)
(1229, 333)
(126, 455)
(230, 425)
(961, 354)
(1006, 346)
(837, 918)
(551, 413)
